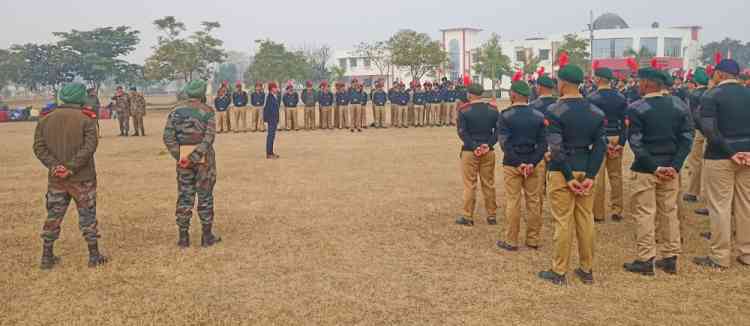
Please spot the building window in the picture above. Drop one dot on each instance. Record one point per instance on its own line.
(367, 63)
(612, 48)
(521, 55)
(353, 62)
(544, 54)
(650, 45)
(622, 47)
(602, 49)
(673, 47)
(342, 63)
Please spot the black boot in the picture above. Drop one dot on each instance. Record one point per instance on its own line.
(641, 267)
(184, 241)
(668, 265)
(96, 258)
(49, 259)
(208, 239)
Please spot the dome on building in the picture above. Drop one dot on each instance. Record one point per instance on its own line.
(610, 21)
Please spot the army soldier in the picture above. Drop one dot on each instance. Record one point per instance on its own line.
(546, 97)
(576, 140)
(122, 107)
(65, 141)
(418, 98)
(221, 104)
(342, 106)
(695, 160)
(291, 99)
(477, 122)
(724, 116)
(661, 135)
(189, 138)
(271, 117)
(257, 102)
(137, 111)
(309, 100)
(92, 102)
(239, 109)
(614, 105)
(325, 99)
(379, 98)
(521, 134)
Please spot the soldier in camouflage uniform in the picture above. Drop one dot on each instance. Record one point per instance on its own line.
(65, 141)
(138, 111)
(121, 105)
(189, 137)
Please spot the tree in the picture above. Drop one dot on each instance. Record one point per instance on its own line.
(274, 62)
(8, 68)
(40, 66)
(491, 62)
(226, 72)
(416, 52)
(576, 49)
(379, 55)
(98, 51)
(338, 72)
(318, 58)
(184, 59)
(740, 52)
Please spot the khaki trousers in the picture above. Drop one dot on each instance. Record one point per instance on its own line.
(655, 201)
(411, 118)
(291, 123)
(138, 124)
(259, 118)
(418, 115)
(253, 114)
(326, 117)
(571, 213)
(403, 117)
(522, 189)
(363, 115)
(452, 113)
(443, 114)
(337, 116)
(343, 117)
(543, 193)
(309, 117)
(356, 116)
(695, 164)
(394, 115)
(435, 113)
(612, 168)
(727, 189)
(238, 114)
(223, 121)
(482, 168)
(379, 116)
(427, 112)
(320, 117)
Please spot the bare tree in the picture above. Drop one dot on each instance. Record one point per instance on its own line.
(379, 55)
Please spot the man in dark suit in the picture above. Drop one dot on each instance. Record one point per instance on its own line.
(271, 117)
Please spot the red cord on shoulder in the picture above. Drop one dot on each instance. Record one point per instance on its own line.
(88, 112)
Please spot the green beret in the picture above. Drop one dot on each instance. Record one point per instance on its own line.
(73, 93)
(572, 74)
(475, 89)
(545, 81)
(700, 76)
(605, 73)
(652, 74)
(668, 79)
(521, 88)
(195, 89)
(744, 77)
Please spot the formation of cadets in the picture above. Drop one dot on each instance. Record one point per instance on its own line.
(345, 107)
(558, 147)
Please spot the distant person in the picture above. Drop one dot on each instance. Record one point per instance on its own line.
(379, 98)
(452, 103)
(357, 106)
(138, 111)
(221, 105)
(257, 102)
(189, 137)
(477, 121)
(325, 100)
(724, 122)
(121, 104)
(695, 160)
(418, 99)
(546, 88)
(341, 110)
(238, 111)
(521, 135)
(661, 135)
(271, 117)
(92, 102)
(291, 100)
(576, 140)
(65, 141)
(309, 98)
(402, 106)
(614, 106)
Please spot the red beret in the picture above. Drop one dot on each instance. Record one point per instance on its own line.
(272, 85)
(238, 83)
(309, 83)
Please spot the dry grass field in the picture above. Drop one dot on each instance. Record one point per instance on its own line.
(344, 229)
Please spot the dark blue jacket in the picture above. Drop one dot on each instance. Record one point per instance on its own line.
(221, 104)
(309, 97)
(357, 97)
(258, 99)
(614, 106)
(521, 134)
(392, 95)
(576, 137)
(239, 99)
(477, 125)
(291, 99)
(435, 96)
(325, 98)
(271, 109)
(418, 98)
(724, 120)
(342, 98)
(542, 104)
(379, 97)
(402, 98)
(446, 95)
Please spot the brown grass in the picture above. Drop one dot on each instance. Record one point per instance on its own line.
(344, 229)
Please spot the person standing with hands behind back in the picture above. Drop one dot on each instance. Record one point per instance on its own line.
(271, 117)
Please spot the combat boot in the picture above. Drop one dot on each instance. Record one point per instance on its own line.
(49, 259)
(208, 239)
(184, 241)
(96, 258)
(668, 265)
(641, 267)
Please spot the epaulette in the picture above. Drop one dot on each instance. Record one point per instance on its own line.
(88, 112)
(464, 107)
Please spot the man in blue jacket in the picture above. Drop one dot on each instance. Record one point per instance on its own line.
(239, 109)
(271, 117)
(379, 98)
(257, 101)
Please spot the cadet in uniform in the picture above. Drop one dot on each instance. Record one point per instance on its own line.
(724, 122)
(309, 98)
(576, 139)
(341, 120)
(427, 104)
(257, 102)
(437, 105)
(379, 98)
(695, 160)
(239, 111)
(291, 99)
(477, 121)
(614, 106)
(418, 99)
(452, 104)
(402, 99)
(661, 135)
(392, 100)
(65, 141)
(546, 97)
(325, 100)
(122, 107)
(221, 105)
(521, 135)
(189, 137)
(356, 98)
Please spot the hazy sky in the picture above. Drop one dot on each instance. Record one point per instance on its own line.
(342, 24)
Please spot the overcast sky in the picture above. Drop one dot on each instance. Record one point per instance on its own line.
(342, 24)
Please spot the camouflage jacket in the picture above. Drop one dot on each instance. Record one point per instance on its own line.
(121, 103)
(191, 123)
(137, 103)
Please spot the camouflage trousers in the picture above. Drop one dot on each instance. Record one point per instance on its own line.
(197, 180)
(59, 194)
